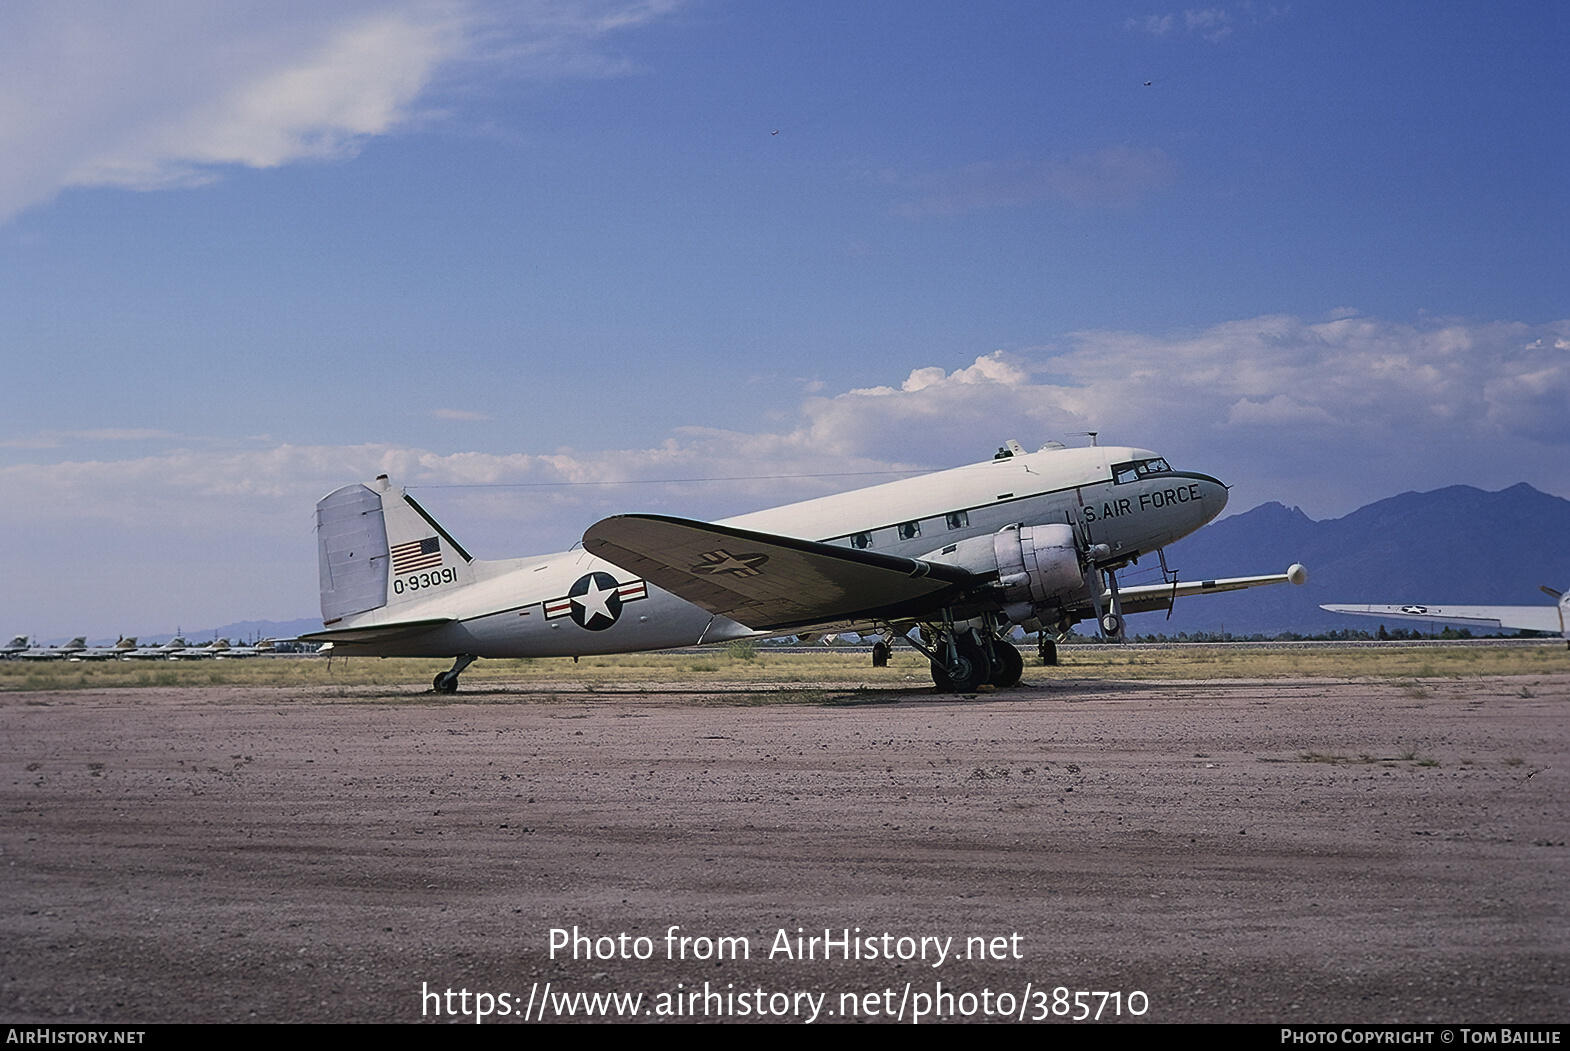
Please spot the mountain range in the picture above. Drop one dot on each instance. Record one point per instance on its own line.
(1457, 545)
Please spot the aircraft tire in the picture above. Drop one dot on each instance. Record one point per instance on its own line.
(1049, 653)
(940, 678)
(1111, 625)
(445, 683)
(1010, 666)
(880, 655)
(970, 669)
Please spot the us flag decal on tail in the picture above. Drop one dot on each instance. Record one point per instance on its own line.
(416, 555)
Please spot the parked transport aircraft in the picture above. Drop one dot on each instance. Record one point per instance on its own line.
(1491, 618)
(1025, 539)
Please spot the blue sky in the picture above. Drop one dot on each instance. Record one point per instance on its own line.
(252, 252)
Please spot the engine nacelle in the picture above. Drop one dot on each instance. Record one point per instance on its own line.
(1036, 565)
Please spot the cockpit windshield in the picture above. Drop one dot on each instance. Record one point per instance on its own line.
(1135, 469)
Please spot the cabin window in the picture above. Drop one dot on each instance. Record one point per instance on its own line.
(910, 530)
(861, 541)
(957, 520)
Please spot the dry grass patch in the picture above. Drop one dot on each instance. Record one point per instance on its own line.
(834, 668)
(1322, 661)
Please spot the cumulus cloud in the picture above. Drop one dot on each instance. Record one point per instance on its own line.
(167, 94)
(1117, 176)
(1212, 23)
(1327, 415)
(1359, 406)
(989, 368)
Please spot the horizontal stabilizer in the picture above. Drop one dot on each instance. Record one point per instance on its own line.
(769, 582)
(378, 632)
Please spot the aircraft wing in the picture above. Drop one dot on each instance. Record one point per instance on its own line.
(1509, 618)
(1147, 597)
(770, 582)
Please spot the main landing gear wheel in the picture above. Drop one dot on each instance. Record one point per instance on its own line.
(1010, 666)
(964, 671)
(880, 655)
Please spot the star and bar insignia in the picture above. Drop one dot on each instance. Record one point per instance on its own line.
(595, 601)
(722, 561)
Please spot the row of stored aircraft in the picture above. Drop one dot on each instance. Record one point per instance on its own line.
(126, 649)
(948, 563)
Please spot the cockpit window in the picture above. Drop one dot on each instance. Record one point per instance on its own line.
(1128, 472)
(861, 540)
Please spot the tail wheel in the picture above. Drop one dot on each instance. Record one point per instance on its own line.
(445, 682)
(1010, 666)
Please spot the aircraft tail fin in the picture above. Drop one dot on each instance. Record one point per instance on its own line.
(377, 548)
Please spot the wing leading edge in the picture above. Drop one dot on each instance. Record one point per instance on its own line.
(769, 582)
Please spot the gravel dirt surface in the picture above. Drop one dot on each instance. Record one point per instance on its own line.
(1269, 851)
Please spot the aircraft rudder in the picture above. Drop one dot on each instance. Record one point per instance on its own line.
(378, 548)
(351, 552)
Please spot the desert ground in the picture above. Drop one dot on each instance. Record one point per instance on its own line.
(1347, 845)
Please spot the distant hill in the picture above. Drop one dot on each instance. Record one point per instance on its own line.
(1457, 545)
(238, 632)
(260, 629)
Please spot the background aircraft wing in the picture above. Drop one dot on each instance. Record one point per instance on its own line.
(770, 582)
(1509, 618)
(1146, 597)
